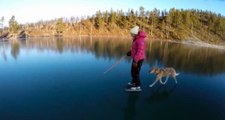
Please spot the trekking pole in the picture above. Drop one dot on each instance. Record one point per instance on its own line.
(114, 65)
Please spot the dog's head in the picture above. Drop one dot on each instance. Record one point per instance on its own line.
(154, 70)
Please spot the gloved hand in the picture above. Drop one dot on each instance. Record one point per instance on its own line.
(129, 53)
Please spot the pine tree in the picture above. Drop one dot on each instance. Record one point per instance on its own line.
(13, 25)
(2, 22)
(112, 17)
(99, 21)
(131, 16)
(187, 19)
(106, 16)
(142, 13)
(60, 26)
(153, 18)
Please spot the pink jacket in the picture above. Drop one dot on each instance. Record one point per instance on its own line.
(138, 47)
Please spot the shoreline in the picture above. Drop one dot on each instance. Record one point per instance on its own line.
(196, 42)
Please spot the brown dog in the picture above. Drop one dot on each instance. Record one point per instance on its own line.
(164, 72)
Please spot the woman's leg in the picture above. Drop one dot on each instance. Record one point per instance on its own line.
(135, 73)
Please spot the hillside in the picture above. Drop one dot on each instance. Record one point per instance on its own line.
(174, 24)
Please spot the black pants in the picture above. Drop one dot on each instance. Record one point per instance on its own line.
(135, 73)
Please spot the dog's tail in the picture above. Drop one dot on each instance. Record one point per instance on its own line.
(177, 74)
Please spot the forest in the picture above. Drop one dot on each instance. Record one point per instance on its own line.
(175, 24)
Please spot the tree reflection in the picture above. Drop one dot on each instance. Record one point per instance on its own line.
(182, 57)
(59, 44)
(15, 49)
(3, 51)
(188, 58)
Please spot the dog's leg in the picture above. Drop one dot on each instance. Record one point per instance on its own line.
(162, 82)
(175, 79)
(153, 83)
(156, 80)
(166, 79)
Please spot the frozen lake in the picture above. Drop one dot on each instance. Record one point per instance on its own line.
(62, 79)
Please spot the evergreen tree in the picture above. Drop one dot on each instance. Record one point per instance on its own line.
(153, 18)
(13, 25)
(99, 21)
(142, 13)
(187, 19)
(112, 18)
(60, 26)
(2, 22)
(106, 16)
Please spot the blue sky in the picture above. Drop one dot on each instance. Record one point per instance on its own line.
(35, 10)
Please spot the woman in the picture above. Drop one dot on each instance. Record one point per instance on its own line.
(137, 52)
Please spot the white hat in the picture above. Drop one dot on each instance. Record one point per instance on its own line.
(134, 30)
